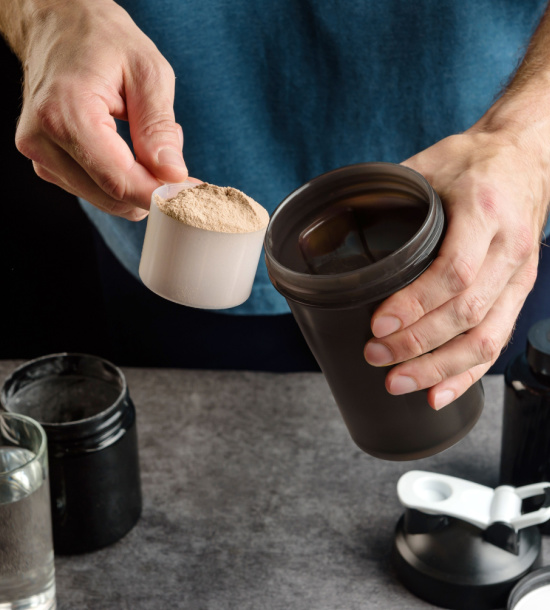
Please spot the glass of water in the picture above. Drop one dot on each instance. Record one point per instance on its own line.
(27, 578)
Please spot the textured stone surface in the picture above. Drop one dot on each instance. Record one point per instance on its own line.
(256, 498)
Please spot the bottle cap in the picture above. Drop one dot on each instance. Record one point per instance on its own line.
(538, 348)
(462, 545)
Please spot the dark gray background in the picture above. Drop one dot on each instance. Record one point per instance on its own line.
(49, 286)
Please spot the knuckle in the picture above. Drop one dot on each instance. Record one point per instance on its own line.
(49, 115)
(114, 186)
(523, 242)
(156, 70)
(27, 145)
(471, 377)
(43, 173)
(135, 214)
(413, 343)
(460, 273)
(530, 272)
(488, 348)
(116, 208)
(487, 200)
(83, 156)
(159, 122)
(470, 309)
(160, 68)
(417, 307)
(166, 70)
(439, 372)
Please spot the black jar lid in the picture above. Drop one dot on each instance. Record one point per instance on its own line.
(101, 417)
(538, 348)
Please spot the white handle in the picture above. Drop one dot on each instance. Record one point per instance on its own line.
(439, 494)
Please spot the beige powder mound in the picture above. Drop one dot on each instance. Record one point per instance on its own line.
(215, 208)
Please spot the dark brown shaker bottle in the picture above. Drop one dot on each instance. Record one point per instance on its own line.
(335, 248)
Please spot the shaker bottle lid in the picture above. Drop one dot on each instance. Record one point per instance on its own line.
(538, 347)
(531, 592)
(462, 545)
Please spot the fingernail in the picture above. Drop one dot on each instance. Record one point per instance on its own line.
(169, 156)
(385, 325)
(378, 354)
(443, 398)
(403, 385)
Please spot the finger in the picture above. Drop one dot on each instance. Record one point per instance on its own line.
(443, 396)
(156, 137)
(59, 168)
(454, 270)
(128, 212)
(454, 317)
(83, 127)
(180, 135)
(443, 369)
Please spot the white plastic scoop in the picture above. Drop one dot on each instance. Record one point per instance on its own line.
(197, 267)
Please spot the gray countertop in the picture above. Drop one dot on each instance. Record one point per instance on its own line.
(255, 497)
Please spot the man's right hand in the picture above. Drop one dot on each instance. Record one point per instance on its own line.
(86, 64)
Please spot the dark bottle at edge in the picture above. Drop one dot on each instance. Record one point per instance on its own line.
(525, 450)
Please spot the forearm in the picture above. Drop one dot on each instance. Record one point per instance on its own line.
(533, 73)
(14, 21)
(520, 117)
(522, 112)
(19, 18)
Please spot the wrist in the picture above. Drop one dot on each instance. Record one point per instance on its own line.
(27, 20)
(521, 120)
(518, 124)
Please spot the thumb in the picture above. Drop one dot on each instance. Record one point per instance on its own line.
(156, 137)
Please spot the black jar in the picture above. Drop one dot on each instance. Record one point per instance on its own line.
(525, 450)
(333, 280)
(84, 406)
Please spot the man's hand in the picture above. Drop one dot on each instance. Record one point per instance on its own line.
(86, 64)
(449, 326)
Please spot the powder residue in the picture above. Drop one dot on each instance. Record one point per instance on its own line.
(215, 208)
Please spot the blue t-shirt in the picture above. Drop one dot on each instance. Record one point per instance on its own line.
(272, 94)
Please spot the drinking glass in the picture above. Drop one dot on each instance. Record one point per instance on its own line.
(27, 577)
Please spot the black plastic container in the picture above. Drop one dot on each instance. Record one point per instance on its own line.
(454, 566)
(90, 421)
(525, 450)
(334, 279)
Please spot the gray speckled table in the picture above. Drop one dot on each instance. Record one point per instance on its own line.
(256, 498)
